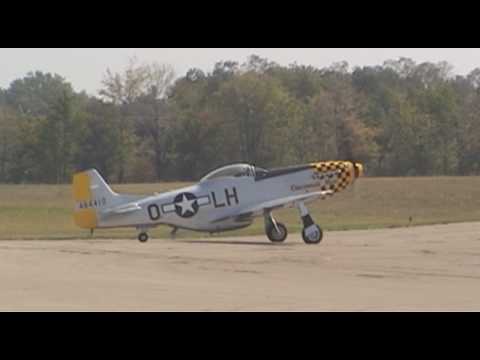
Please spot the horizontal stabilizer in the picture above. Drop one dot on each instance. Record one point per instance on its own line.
(122, 209)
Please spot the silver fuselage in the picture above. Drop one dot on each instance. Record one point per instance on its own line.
(195, 207)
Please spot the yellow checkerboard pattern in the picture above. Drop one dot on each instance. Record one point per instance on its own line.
(343, 171)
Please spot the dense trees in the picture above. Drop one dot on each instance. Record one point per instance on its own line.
(400, 118)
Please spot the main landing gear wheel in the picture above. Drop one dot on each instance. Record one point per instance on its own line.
(277, 236)
(143, 237)
(312, 235)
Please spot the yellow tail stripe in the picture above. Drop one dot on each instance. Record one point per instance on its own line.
(85, 218)
(81, 187)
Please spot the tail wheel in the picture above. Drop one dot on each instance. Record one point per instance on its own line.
(143, 237)
(312, 235)
(277, 236)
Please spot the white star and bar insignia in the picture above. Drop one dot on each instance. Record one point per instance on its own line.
(186, 205)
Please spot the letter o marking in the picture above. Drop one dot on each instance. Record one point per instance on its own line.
(154, 212)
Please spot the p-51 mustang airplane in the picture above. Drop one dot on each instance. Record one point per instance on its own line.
(228, 198)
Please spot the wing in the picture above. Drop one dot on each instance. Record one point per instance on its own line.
(262, 208)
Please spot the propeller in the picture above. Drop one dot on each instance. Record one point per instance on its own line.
(357, 168)
(358, 172)
(357, 165)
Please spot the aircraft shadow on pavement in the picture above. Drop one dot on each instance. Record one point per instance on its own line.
(231, 242)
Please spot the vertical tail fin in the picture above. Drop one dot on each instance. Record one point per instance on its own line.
(90, 193)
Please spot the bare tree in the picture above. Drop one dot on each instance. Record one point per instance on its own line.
(139, 92)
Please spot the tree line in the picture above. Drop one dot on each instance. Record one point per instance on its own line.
(399, 118)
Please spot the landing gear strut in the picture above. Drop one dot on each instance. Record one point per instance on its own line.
(173, 233)
(276, 232)
(312, 233)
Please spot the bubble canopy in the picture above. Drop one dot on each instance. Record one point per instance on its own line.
(235, 170)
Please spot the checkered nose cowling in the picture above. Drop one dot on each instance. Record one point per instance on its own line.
(338, 174)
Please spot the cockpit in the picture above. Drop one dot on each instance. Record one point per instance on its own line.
(236, 170)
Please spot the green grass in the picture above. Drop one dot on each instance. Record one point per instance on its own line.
(45, 211)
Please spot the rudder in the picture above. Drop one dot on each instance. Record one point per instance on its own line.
(90, 193)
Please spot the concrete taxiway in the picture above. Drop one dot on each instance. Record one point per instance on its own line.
(428, 268)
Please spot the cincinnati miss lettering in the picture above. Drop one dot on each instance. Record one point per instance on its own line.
(328, 177)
